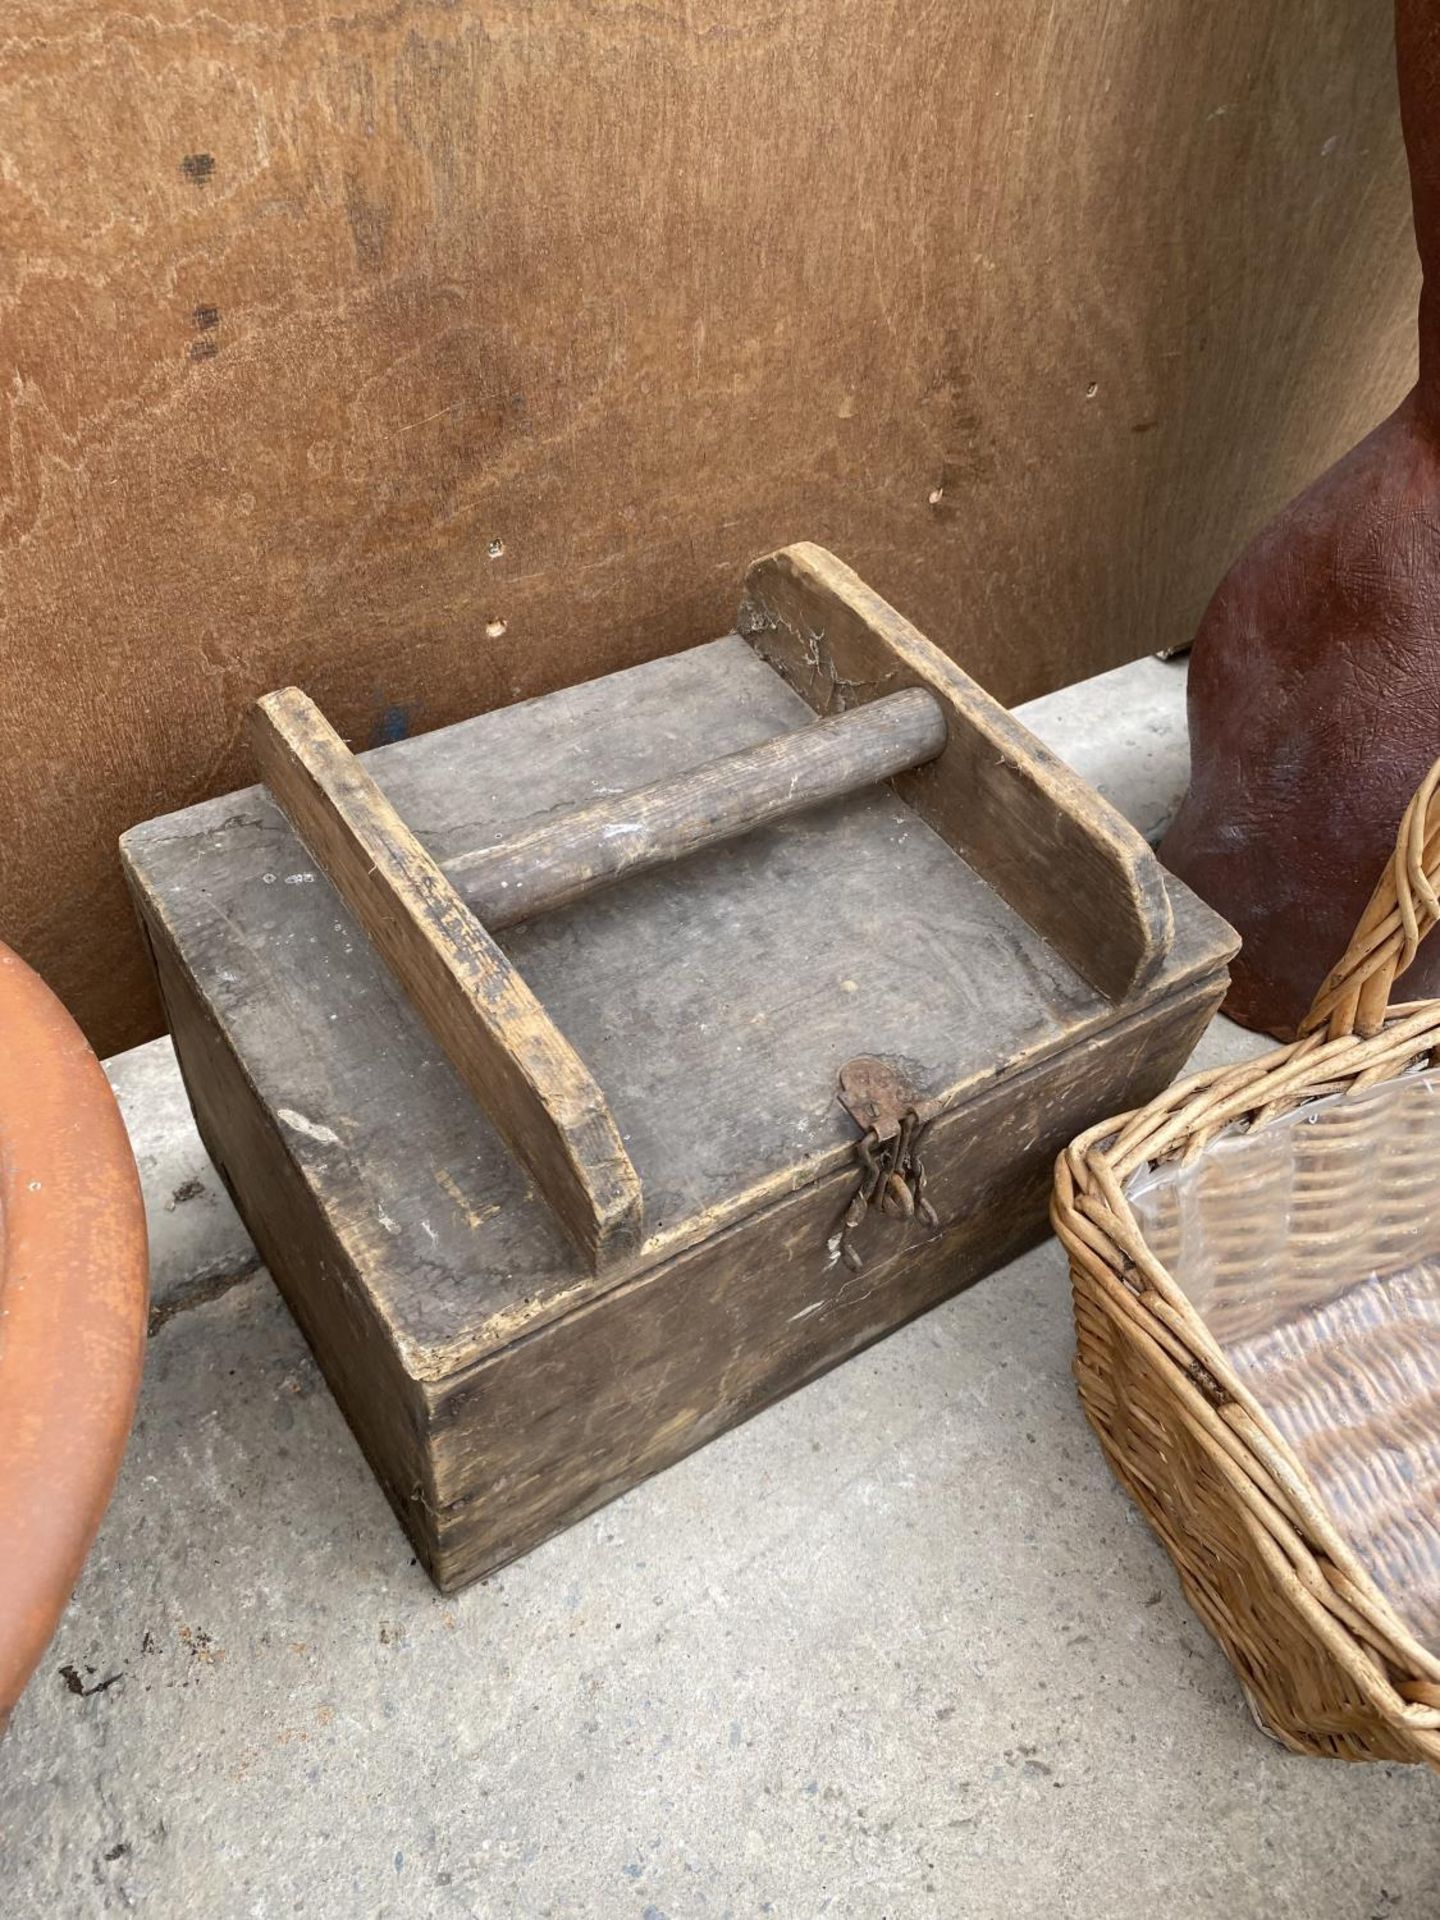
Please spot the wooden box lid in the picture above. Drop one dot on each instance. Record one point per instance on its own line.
(714, 1001)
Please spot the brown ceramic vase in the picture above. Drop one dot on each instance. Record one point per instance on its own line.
(1315, 677)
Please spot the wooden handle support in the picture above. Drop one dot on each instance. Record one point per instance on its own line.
(528, 1079)
(1048, 844)
(592, 846)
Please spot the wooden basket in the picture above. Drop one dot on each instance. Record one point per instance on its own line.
(1327, 1662)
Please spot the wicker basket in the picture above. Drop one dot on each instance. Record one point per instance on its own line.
(1328, 1653)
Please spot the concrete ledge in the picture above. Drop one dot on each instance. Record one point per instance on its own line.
(198, 1245)
(1123, 731)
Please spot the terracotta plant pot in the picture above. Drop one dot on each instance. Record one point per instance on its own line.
(74, 1294)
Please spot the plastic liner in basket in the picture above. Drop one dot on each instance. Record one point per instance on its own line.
(1310, 1247)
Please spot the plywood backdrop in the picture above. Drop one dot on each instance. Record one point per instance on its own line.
(430, 356)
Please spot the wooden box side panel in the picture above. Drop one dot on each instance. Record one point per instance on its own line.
(584, 1409)
(360, 1362)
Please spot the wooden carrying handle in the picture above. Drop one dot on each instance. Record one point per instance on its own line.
(588, 847)
(1404, 907)
(525, 1075)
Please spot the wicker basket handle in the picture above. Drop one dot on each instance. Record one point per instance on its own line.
(1404, 906)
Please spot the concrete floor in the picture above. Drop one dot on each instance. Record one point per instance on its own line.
(897, 1648)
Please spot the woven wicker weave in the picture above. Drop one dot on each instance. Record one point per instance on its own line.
(1304, 1523)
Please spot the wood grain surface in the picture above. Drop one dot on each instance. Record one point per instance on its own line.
(500, 1383)
(432, 356)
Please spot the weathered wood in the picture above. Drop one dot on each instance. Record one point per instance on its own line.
(498, 1384)
(1062, 857)
(590, 847)
(526, 1076)
(433, 356)
(714, 1004)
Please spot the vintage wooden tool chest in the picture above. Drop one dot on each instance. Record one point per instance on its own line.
(554, 1213)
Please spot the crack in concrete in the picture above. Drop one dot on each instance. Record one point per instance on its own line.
(200, 1292)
